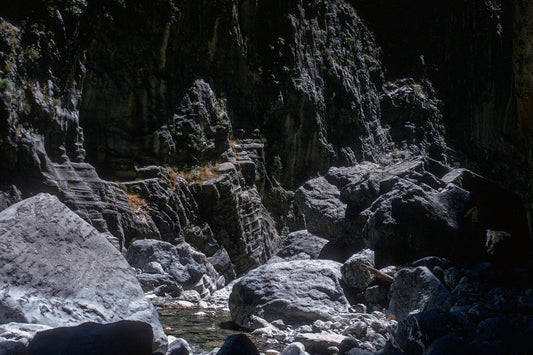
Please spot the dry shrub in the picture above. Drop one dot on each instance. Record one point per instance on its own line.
(201, 174)
(136, 201)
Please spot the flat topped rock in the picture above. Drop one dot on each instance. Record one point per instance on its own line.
(58, 270)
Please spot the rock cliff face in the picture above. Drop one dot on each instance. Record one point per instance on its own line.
(185, 121)
(477, 55)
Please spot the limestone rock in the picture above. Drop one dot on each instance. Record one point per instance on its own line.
(297, 292)
(59, 271)
(320, 203)
(319, 343)
(416, 290)
(301, 245)
(179, 347)
(186, 267)
(356, 276)
(296, 348)
(15, 337)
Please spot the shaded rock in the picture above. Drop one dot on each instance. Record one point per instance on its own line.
(238, 219)
(400, 221)
(60, 271)
(301, 245)
(238, 344)
(222, 263)
(297, 292)
(416, 290)
(187, 267)
(320, 203)
(393, 208)
(294, 349)
(9, 196)
(15, 337)
(416, 332)
(431, 261)
(120, 338)
(159, 284)
(448, 344)
(356, 276)
(179, 347)
(376, 294)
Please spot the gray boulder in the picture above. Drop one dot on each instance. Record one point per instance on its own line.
(161, 285)
(59, 271)
(297, 292)
(15, 337)
(181, 264)
(416, 290)
(324, 212)
(301, 245)
(296, 348)
(354, 274)
(179, 347)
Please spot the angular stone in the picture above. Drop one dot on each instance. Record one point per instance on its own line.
(416, 290)
(354, 274)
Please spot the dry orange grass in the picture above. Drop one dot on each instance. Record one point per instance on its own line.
(201, 174)
(136, 201)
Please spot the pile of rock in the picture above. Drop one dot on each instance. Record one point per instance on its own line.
(167, 270)
(407, 210)
(325, 307)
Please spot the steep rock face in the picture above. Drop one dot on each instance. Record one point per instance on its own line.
(305, 73)
(57, 270)
(477, 55)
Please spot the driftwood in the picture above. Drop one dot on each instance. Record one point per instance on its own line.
(380, 275)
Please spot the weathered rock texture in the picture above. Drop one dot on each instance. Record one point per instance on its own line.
(180, 265)
(57, 270)
(410, 209)
(297, 292)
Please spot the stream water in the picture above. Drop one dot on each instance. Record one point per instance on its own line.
(205, 329)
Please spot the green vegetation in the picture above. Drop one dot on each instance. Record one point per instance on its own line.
(5, 84)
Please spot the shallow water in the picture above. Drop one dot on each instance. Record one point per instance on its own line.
(204, 333)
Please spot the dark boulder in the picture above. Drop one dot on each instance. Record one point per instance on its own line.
(59, 271)
(119, 338)
(393, 209)
(416, 290)
(301, 245)
(238, 344)
(415, 333)
(15, 337)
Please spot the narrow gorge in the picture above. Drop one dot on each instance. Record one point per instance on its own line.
(301, 177)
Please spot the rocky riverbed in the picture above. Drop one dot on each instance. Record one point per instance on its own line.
(321, 177)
